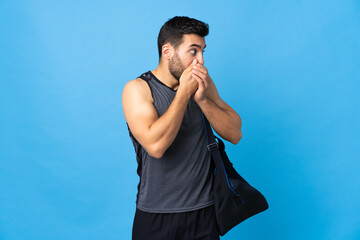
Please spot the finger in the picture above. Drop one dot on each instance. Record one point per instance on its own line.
(204, 80)
(191, 66)
(197, 78)
(194, 63)
(206, 83)
(201, 68)
(199, 74)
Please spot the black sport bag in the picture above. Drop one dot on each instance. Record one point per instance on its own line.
(235, 199)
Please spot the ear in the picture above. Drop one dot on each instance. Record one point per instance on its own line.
(167, 51)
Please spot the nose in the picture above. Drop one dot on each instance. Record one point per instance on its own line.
(200, 59)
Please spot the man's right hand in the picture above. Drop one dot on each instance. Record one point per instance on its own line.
(187, 83)
(156, 133)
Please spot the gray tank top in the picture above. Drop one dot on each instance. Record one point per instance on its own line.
(180, 180)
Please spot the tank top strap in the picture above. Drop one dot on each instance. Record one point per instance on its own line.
(145, 76)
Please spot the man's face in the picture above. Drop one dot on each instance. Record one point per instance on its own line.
(192, 47)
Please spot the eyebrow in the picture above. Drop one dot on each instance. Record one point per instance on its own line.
(196, 45)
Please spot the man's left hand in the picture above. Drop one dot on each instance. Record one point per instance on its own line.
(201, 75)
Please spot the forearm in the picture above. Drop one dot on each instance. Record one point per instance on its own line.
(163, 131)
(225, 121)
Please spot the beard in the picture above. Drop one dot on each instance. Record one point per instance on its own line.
(176, 68)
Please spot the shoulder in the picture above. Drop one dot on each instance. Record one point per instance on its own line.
(135, 94)
(137, 88)
(137, 102)
(136, 84)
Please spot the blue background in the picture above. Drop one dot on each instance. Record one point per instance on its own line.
(289, 68)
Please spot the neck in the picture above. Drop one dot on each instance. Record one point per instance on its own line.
(163, 74)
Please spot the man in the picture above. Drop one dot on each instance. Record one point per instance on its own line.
(163, 109)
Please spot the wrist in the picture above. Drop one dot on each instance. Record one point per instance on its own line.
(183, 95)
(203, 102)
(181, 92)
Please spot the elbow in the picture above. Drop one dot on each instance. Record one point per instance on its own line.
(156, 154)
(155, 150)
(236, 138)
(236, 134)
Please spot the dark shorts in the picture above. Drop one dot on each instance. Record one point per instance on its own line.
(194, 225)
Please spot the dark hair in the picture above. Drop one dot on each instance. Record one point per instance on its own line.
(174, 29)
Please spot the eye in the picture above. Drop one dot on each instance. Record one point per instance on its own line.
(193, 52)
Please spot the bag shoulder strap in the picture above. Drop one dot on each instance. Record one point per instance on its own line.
(214, 147)
(212, 143)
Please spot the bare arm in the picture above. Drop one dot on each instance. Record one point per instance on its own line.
(225, 121)
(155, 133)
